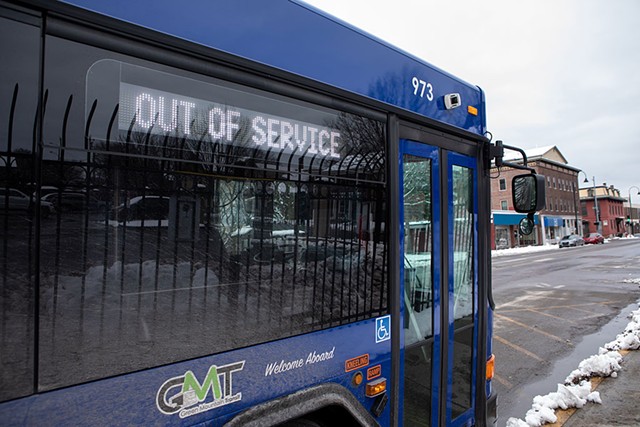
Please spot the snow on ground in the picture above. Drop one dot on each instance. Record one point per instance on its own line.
(542, 248)
(576, 390)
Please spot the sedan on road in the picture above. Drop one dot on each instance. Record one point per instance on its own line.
(571, 240)
(594, 238)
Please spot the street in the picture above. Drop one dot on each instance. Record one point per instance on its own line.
(553, 309)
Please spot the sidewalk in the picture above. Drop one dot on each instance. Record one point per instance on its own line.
(620, 399)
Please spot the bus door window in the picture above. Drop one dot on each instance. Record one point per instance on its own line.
(462, 235)
(418, 262)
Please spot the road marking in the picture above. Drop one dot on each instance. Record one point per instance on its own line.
(547, 334)
(518, 348)
(530, 296)
(550, 315)
(575, 306)
(543, 260)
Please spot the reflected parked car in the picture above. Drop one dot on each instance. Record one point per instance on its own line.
(75, 202)
(571, 240)
(594, 238)
(148, 208)
(12, 199)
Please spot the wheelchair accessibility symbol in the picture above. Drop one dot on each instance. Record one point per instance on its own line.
(383, 328)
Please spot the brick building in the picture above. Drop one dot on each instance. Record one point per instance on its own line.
(632, 212)
(561, 215)
(610, 208)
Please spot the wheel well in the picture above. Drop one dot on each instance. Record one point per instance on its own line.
(324, 417)
(323, 405)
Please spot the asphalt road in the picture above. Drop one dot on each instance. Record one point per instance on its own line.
(554, 309)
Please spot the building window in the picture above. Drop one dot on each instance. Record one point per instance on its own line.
(503, 184)
(503, 205)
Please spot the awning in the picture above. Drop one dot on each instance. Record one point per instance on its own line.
(553, 221)
(508, 218)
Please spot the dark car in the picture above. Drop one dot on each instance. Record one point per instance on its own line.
(571, 240)
(594, 238)
(75, 202)
(148, 208)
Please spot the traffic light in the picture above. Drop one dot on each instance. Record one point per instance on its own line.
(628, 220)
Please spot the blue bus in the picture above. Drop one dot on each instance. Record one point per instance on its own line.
(242, 212)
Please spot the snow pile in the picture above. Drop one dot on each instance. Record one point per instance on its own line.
(567, 396)
(576, 391)
(632, 281)
(630, 338)
(599, 365)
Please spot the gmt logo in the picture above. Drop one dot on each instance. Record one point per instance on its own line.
(187, 396)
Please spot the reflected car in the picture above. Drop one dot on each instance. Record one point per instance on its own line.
(571, 240)
(147, 208)
(75, 202)
(594, 239)
(12, 199)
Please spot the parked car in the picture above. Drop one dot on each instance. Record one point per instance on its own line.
(594, 238)
(571, 240)
(75, 202)
(12, 199)
(147, 208)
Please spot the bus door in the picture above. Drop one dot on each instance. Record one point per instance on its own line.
(438, 278)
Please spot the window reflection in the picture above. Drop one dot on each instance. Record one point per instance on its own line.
(418, 290)
(159, 248)
(418, 248)
(19, 50)
(463, 288)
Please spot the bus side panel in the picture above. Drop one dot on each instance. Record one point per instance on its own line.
(218, 386)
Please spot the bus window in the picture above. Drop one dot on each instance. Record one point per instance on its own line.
(18, 99)
(234, 217)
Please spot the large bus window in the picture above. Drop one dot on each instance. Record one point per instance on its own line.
(19, 48)
(215, 216)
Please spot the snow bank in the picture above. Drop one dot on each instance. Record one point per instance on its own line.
(576, 391)
(519, 251)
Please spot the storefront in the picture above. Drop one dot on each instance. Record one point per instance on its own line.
(553, 226)
(506, 233)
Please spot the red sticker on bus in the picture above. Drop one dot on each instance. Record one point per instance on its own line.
(356, 362)
(374, 372)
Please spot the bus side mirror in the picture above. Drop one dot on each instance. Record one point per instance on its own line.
(528, 192)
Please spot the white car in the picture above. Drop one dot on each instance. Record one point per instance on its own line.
(12, 200)
(571, 240)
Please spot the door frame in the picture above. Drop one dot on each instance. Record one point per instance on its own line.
(426, 151)
(444, 143)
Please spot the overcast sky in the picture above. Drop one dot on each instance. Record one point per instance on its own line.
(563, 73)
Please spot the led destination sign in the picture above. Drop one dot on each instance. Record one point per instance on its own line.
(159, 112)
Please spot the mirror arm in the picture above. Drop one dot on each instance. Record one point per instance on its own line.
(496, 151)
(516, 166)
